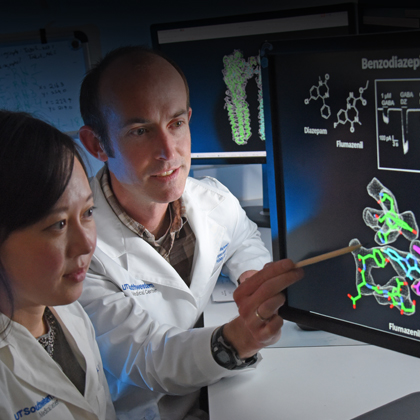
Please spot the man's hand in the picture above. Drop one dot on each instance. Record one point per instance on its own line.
(245, 275)
(258, 300)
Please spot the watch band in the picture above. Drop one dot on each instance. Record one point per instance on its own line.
(226, 355)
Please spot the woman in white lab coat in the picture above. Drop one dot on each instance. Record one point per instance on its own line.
(50, 365)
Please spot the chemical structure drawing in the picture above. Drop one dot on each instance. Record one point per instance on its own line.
(396, 96)
(351, 113)
(236, 73)
(322, 91)
(388, 225)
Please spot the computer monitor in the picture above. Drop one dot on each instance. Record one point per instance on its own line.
(220, 58)
(344, 161)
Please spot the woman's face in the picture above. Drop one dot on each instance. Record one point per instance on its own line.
(47, 261)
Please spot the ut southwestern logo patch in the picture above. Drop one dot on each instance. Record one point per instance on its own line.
(42, 407)
(140, 289)
(222, 253)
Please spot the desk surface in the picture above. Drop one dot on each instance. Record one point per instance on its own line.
(325, 383)
(317, 378)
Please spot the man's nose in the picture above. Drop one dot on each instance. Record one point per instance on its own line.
(165, 145)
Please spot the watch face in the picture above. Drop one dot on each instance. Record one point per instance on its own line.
(224, 357)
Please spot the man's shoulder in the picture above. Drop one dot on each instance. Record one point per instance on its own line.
(207, 193)
(206, 183)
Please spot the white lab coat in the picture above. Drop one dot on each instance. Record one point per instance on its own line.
(143, 312)
(32, 384)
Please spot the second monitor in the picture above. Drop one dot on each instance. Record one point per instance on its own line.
(346, 157)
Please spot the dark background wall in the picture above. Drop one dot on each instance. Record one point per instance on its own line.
(122, 21)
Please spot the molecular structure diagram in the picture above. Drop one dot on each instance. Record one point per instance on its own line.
(236, 73)
(389, 225)
(322, 91)
(351, 113)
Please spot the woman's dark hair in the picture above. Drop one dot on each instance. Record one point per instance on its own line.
(36, 163)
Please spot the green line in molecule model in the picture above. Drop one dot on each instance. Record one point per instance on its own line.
(392, 219)
(394, 295)
(388, 225)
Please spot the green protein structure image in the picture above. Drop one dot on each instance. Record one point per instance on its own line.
(236, 73)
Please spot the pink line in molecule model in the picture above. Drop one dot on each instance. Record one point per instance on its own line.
(416, 248)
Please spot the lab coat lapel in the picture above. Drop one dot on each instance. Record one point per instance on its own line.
(151, 267)
(79, 342)
(200, 204)
(120, 243)
(209, 235)
(58, 385)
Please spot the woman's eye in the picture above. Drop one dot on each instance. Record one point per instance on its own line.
(89, 213)
(59, 225)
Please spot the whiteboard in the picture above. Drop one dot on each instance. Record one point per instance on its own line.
(44, 79)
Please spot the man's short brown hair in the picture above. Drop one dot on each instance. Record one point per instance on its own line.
(90, 101)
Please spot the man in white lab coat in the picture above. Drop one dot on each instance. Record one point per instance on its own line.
(163, 240)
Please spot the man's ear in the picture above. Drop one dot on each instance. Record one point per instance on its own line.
(92, 144)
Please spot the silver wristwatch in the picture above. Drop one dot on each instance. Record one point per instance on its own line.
(226, 355)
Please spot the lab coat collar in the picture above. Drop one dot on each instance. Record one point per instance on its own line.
(25, 351)
(117, 241)
(110, 230)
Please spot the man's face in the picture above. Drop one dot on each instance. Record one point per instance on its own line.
(148, 125)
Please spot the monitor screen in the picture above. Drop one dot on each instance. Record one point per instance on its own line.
(345, 162)
(220, 58)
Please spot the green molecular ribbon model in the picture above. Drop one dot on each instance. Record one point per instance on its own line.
(236, 73)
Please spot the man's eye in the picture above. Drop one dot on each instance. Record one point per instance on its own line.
(139, 131)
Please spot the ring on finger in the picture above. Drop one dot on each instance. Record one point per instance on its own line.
(260, 317)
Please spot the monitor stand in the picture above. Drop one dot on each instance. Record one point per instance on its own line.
(407, 407)
(261, 214)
